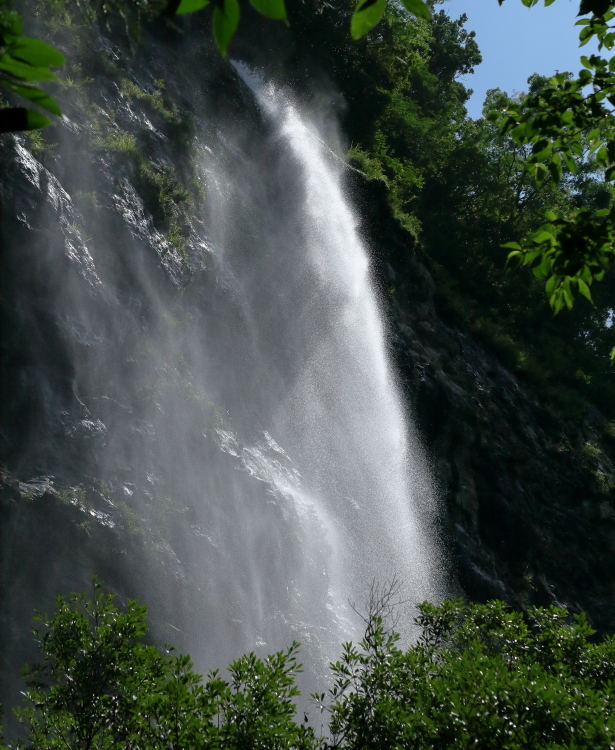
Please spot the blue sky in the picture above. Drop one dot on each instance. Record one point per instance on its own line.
(516, 41)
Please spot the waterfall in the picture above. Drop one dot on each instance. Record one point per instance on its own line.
(239, 426)
(317, 417)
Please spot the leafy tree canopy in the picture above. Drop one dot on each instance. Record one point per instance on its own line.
(478, 676)
(567, 122)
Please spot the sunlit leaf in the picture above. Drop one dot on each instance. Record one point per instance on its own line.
(190, 6)
(602, 155)
(225, 22)
(24, 71)
(584, 290)
(366, 15)
(274, 9)
(36, 53)
(542, 236)
(418, 7)
(42, 98)
(550, 286)
(570, 162)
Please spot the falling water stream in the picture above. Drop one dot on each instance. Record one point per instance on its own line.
(335, 448)
(246, 426)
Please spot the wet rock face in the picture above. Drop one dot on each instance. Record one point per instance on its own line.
(120, 456)
(89, 271)
(527, 512)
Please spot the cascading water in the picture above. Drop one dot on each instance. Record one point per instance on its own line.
(342, 416)
(247, 431)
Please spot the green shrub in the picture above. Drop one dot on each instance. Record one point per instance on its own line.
(118, 141)
(479, 676)
(100, 686)
(155, 101)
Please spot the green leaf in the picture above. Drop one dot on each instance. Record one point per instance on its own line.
(595, 7)
(550, 286)
(418, 7)
(11, 26)
(602, 156)
(366, 15)
(541, 149)
(24, 71)
(190, 6)
(570, 162)
(35, 95)
(274, 9)
(555, 301)
(585, 35)
(16, 119)
(568, 298)
(514, 259)
(555, 168)
(540, 173)
(541, 236)
(36, 120)
(36, 53)
(584, 290)
(225, 22)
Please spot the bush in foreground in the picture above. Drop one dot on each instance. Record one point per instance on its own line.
(479, 676)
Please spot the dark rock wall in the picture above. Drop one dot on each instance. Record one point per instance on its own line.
(527, 510)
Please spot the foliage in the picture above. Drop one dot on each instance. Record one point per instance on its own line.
(462, 187)
(484, 197)
(478, 676)
(570, 252)
(366, 15)
(565, 122)
(24, 61)
(154, 100)
(100, 686)
(403, 102)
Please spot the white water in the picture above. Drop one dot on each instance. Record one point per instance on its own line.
(229, 446)
(247, 432)
(337, 450)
